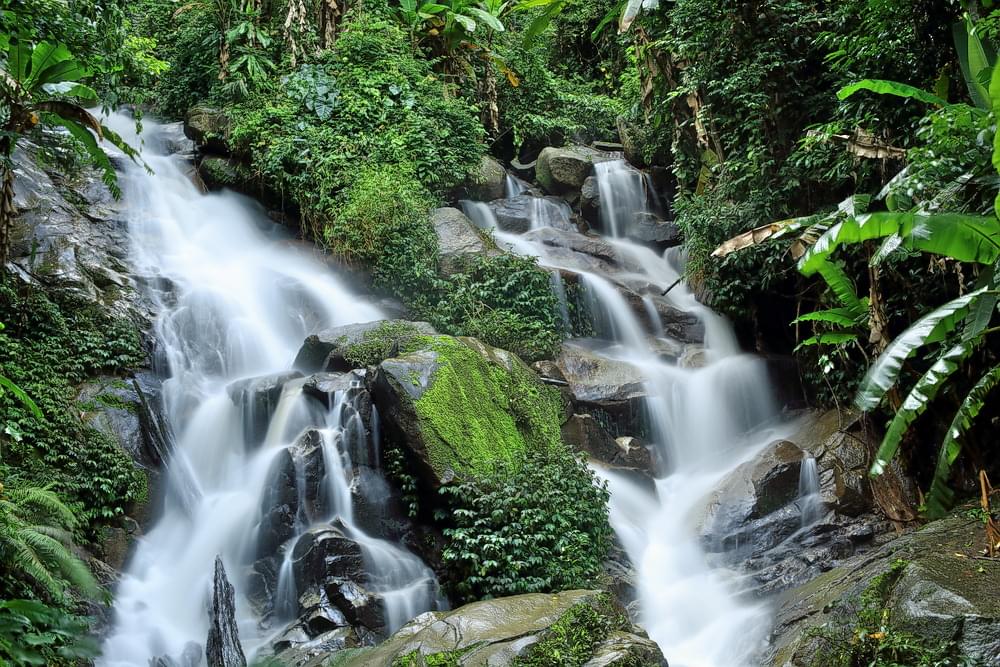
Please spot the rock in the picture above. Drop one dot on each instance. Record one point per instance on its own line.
(326, 554)
(218, 172)
(678, 324)
(525, 170)
(223, 647)
(523, 212)
(257, 398)
(208, 127)
(648, 228)
(486, 183)
(585, 434)
(501, 631)
(452, 407)
(924, 578)
(590, 201)
(175, 142)
(612, 392)
(295, 648)
(459, 241)
(189, 657)
(593, 247)
(328, 350)
(562, 171)
(608, 146)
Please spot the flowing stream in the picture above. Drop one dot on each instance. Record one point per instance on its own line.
(235, 298)
(704, 420)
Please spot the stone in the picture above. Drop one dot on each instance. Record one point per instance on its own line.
(451, 407)
(459, 241)
(613, 392)
(590, 201)
(562, 171)
(223, 647)
(295, 648)
(522, 169)
(500, 631)
(486, 182)
(326, 350)
(524, 212)
(585, 434)
(678, 324)
(649, 228)
(208, 127)
(257, 398)
(931, 586)
(325, 554)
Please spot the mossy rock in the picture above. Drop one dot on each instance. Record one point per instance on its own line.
(462, 407)
(343, 348)
(562, 171)
(568, 628)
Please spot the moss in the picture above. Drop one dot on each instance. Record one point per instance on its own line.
(572, 639)
(377, 344)
(416, 659)
(477, 413)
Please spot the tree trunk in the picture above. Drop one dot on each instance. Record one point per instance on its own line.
(7, 212)
(491, 105)
(329, 14)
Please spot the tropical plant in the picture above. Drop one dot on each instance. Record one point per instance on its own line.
(33, 633)
(36, 541)
(40, 83)
(8, 386)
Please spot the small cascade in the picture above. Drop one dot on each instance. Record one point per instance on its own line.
(624, 194)
(513, 186)
(613, 318)
(810, 499)
(559, 289)
(655, 321)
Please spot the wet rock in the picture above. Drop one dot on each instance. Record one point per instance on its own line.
(563, 170)
(326, 554)
(590, 201)
(295, 648)
(257, 399)
(223, 647)
(608, 259)
(326, 350)
(208, 127)
(585, 434)
(519, 214)
(612, 392)
(459, 241)
(486, 182)
(680, 325)
(523, 169)
(649, 228)
(930, 585)
(189, 657)
(498, 632)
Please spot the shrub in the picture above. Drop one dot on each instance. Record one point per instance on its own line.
(535, 527)
(32, 633)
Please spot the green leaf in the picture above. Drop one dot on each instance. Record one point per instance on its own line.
(539, 24)
(18, 58)
(842, 286)
(966, 238)
(839, 316)
(97, 156)
(928, 329)
(883, 87)
(974, 57)
(939, 496)
(829, 338)
(916, 402)
(487, 18)
(7, 385)
(67, 70)
(44, 56)
(466, 22)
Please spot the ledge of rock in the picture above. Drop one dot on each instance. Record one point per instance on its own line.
(329, 349)
(562, 171)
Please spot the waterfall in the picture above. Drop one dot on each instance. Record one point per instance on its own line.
(810, 500)
(241, 299)
(704, 421)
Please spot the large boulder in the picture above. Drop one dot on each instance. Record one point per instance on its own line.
(523, 628)
(459, 241)
(585, 434)
(562, 171)
(612, 392)
(927, 583)
(356, 345)
(223, 648)
(486, 182)
(590, 201)
(523, 212)
(257, 398)
(208, 127)
(457, 406)
(649, 228)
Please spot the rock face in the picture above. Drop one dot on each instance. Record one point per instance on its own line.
(611, 392)
(208, 127)
(459, 241)
(590, 201)
(328, 350)
(487, 182)
(927, 583)
(257, 399)
(519, 214)
(499, 632)
(648, 228)
(223, 647)
(452, 406)
(562, 171)
(585, 434)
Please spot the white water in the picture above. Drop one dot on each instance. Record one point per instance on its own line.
(810, 499)
(705, 421)
(241, 299)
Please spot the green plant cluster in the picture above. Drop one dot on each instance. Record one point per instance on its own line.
(34, 634)
(50, 344)
(538, 526)
(378, 343)
(572, 639)
(866, 635)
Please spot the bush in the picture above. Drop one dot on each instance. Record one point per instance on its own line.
(49, 345)
(32, 633)
(535, 527)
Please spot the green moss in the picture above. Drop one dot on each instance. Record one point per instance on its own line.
(571, 640)
(416, 659)
(377, 344)
(477, 413)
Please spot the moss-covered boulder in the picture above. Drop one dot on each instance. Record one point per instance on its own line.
(569, 628)
(208, 127)
(357, 345)
(485, 181)
(461, 407)
(562, 171)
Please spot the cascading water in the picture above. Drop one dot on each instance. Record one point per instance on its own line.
(705, 420)
(240, 299)
(810, 500)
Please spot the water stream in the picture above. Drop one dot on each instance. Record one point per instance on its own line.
(235, 298)
(704, 419)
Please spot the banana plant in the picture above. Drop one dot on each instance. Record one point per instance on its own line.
(41, 83)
